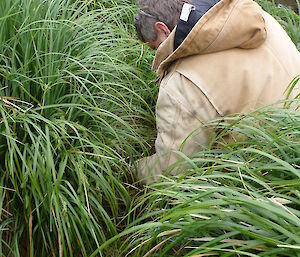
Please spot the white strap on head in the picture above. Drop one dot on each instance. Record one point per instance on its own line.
(186, 11)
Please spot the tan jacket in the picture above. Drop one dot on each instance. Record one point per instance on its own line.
(236, 59)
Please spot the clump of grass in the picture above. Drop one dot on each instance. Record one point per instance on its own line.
(74, 112)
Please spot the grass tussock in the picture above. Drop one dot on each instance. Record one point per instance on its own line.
(77, 108)
(74, 113)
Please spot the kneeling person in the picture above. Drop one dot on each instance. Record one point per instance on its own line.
(214, 58)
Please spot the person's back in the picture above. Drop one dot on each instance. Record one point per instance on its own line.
(233, 59)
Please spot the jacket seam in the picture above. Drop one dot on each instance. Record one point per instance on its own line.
(173, 132)
(221, 30)
(218, 111)
(178, 102)
(178, 113)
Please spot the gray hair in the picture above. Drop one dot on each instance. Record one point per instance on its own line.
(152, 11)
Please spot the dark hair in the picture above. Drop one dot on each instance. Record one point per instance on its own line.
(151, 11)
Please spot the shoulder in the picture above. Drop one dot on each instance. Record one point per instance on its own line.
(178, 92)
(174, 86)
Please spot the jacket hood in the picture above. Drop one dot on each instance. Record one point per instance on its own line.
(228, 24)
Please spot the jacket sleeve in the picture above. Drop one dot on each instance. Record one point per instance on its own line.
(181, 111)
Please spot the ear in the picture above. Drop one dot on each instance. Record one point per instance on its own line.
(162, 29)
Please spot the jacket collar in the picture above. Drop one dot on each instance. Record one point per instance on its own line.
(227, 25)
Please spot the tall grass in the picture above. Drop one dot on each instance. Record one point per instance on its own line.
(74, 113)
(77, 108)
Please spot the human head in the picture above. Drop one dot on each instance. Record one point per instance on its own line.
(156, 19)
